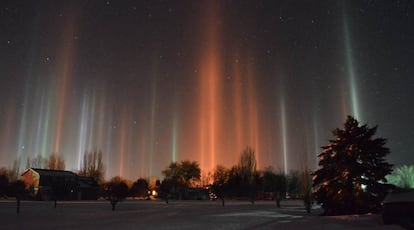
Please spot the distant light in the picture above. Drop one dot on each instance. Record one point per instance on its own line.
(363, 186)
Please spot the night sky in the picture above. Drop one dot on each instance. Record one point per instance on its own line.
(150, 82)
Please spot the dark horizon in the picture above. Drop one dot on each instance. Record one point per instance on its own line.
(152, 82)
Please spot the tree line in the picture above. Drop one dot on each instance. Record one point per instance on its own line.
(351, 177)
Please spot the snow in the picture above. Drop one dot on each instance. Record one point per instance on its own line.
(133, 214)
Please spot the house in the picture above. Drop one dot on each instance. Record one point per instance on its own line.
(88, 188)
(47, 184)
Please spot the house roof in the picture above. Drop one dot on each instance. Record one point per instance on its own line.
(406, 196)
(87, 182)
(51, 172)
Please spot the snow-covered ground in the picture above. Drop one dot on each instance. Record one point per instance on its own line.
(176, 215)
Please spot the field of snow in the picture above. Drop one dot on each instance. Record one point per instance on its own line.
(176, 215)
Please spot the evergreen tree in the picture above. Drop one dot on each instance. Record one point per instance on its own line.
(140, 188)
(402, 177)
(351, 177)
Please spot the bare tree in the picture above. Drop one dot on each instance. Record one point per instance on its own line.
(56, 162)
(14, 172)
(182, 175)
(190, 172)
(93, 166)
(37, 162)
(247, 169)
(117, 191)
(306, 187)
(220, 187)
(4, 181)
(247, 164)
(18, 188)
(275, 182)
(8, 176)
(206, 179)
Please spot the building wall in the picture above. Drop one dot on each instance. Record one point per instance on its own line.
(31, 178)
(46, 184)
